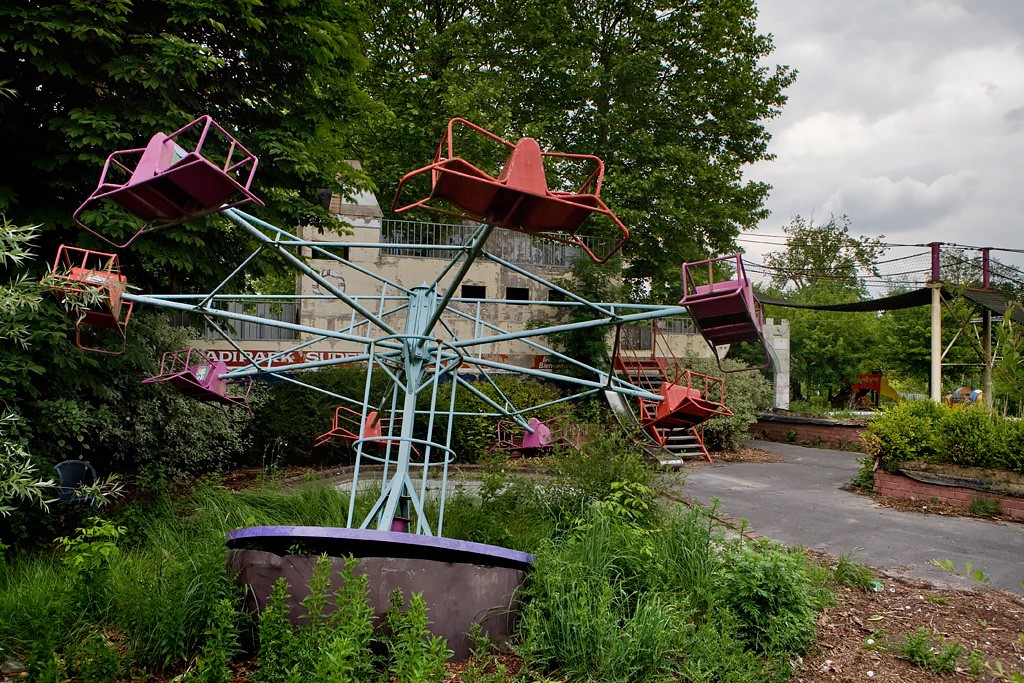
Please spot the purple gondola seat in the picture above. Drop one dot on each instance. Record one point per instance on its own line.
(724, 311)
(539, 438)
(193, 374)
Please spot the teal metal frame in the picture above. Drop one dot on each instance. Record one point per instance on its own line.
(416, 360)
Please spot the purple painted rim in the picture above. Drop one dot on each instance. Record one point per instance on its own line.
(341, 542)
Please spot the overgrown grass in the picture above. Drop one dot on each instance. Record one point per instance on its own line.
(624, 589)
(156, 595)
(924, 649)
(620, 601)
(851, 574)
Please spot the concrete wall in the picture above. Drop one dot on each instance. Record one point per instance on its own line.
(776, 334)
(457, 595)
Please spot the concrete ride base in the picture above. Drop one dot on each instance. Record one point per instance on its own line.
(457, 594)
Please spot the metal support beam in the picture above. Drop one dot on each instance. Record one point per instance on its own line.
(936, 373)
(986, 341)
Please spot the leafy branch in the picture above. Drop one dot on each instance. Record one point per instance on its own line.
(969, 571)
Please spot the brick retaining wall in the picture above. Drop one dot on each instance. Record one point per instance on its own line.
(900, 486)
(843, 436)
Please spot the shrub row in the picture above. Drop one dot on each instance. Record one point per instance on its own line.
(935, 433)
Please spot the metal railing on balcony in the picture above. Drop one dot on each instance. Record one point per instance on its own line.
(643, 337)
(514, 247)
(243, 330)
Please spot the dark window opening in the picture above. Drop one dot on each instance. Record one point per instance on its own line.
(555, 295)
(517, 293)
(474, 292)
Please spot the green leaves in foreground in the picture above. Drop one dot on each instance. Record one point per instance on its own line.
(334, 645)
(682, 603)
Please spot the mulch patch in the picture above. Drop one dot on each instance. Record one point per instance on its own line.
(859, 637)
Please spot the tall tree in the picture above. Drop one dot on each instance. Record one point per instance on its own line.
(92, 77)
(821, 265)
(828, 349)
(672, 98)
(824, 253)
(426, 64)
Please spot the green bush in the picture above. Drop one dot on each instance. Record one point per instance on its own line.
(336, 645)
(929, 651)
(929, 410)
(507, 512)
(865, 477)
(1009, 449)
(616, 600)
(94, 407)
(585, 618)
(966, 436)
(603, 464)
(985, 507)
(771, 591)
(904, 432)
(519, 512)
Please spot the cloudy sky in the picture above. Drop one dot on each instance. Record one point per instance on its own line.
(907, 115)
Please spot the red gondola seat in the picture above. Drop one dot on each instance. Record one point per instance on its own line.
(90, 286)
(195, 171)
(194, 374)
(519, 198)
(685, 406)
(687, 401)
(350, 425)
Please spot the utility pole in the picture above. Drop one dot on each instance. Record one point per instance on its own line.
(988, 388)
(935, 284)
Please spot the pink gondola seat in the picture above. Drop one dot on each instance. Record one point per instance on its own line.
(537, 439)
(195, 375)
(175, 178)
(724, 311)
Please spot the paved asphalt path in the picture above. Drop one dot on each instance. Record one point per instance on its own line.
(799, 502)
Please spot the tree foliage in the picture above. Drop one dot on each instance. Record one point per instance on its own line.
(93, 77)
(1009, 372)
(825, 264)
(822, 265)
(673, 99)
(828, 349)
(824, 254)
(589, 346)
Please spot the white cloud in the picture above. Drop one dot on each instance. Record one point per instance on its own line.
(906, 203)
(907, 116)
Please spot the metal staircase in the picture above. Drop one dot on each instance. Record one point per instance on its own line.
(680, 444)
(671, 446)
